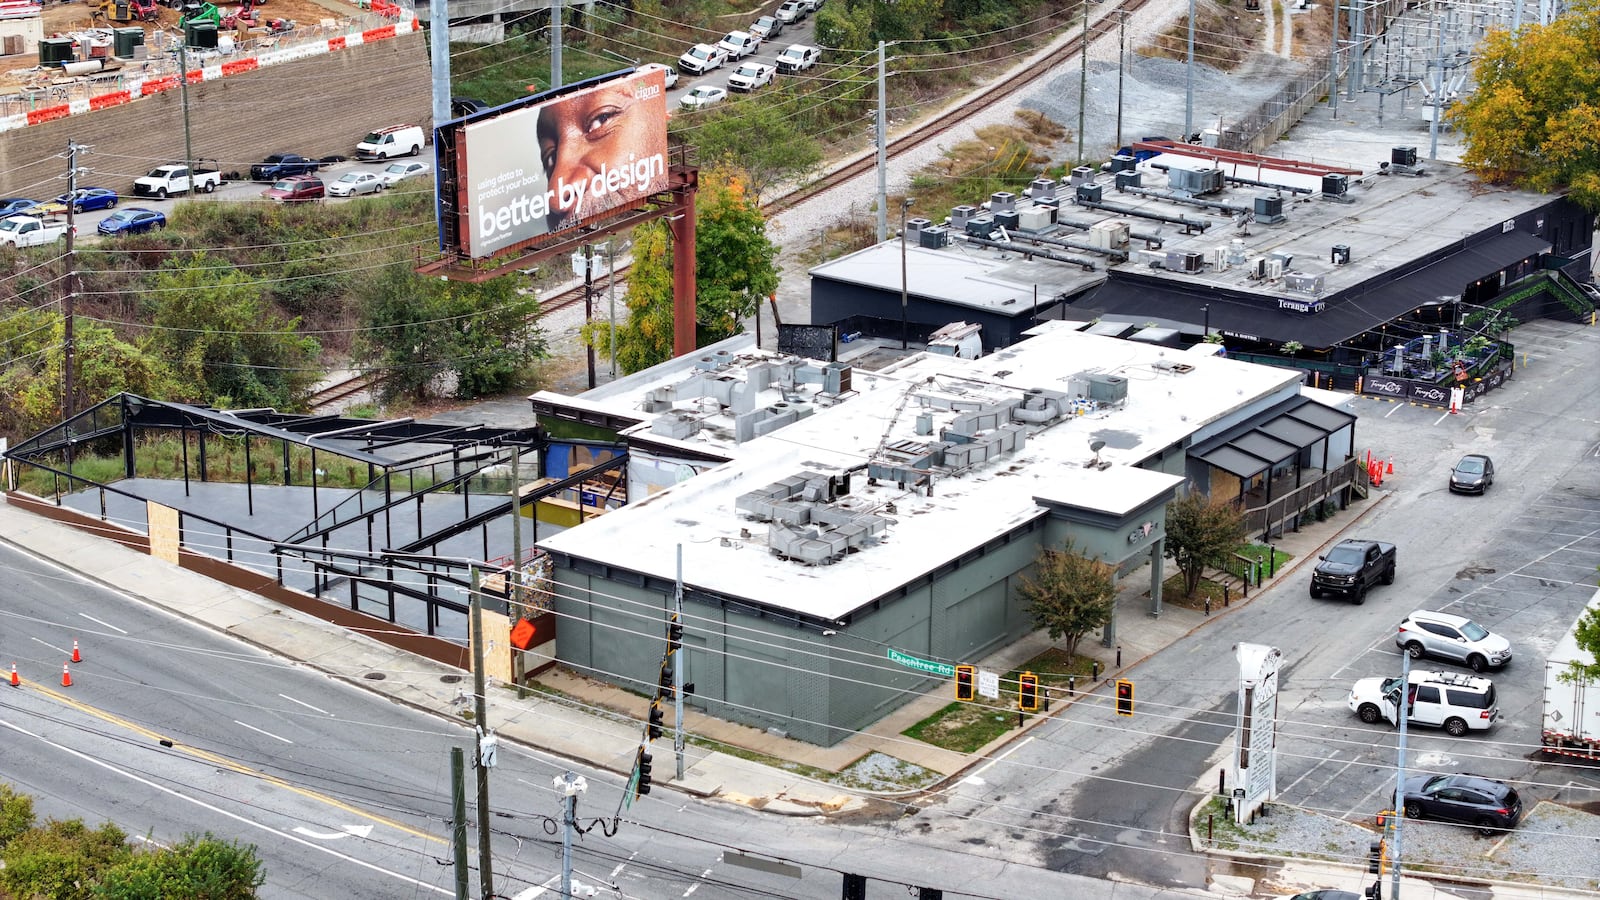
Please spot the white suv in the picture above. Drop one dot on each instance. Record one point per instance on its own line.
(1457, 703)
(1452, 637)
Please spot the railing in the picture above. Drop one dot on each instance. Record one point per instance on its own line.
(1272, 516)
(1263, 125)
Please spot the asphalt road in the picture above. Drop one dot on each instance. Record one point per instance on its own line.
(1107, 797)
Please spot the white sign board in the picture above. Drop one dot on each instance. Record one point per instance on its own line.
(1255, 762)
(989, 684)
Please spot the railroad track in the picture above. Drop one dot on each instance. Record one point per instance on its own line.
(342, 390)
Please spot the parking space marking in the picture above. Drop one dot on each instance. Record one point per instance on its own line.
(1391, 412)
(1362, 803)
(1445, 415)
(1540, 578)
(1329, 758)
(1375, 648)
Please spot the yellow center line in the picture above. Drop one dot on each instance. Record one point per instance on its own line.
(231, 765)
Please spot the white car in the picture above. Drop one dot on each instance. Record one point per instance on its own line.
(797, 58)
(739, 44)
(793, 11)
(702, 58)
(667, 72)
(750, 76)
(352, 183)
(703, 95)
(400, 171)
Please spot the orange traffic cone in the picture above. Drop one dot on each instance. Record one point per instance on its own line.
(78, 657)
(75, 644)
(15, 680)
(66, 676)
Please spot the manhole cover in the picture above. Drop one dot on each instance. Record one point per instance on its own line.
(375, 676)
(449, 679)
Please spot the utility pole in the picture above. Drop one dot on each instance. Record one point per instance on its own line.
(879, 131)
(1122, 65)
(439, 54)
(677, 666)
(1438, 91)
(69, 364)
(183, 92)
(1400, 776)
(458, 820)
(905, 330)
(556, 16)
(484, 742)
(1333, 63)
(1188, 95)
(1083, 78)
(611, 286)
(588, 305)
(570, 785)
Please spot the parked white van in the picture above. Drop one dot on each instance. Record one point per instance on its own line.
(387, 143)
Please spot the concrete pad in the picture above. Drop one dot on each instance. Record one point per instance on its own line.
(1232, 885)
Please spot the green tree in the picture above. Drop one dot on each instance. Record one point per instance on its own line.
(1588, 638)
(1070, 595)
(764, 140)
(199, 867)
(32, 383)
(1536, 110)
(735, 268)
(225, 346)
(420, 334)
(61, 860)
(1201, 532)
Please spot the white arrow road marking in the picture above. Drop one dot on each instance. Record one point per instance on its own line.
(359, 831)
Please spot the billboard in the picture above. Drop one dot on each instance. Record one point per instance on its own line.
(556, 164)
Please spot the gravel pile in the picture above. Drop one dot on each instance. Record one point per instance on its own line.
(1554, 846)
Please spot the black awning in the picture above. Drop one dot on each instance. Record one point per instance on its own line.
(1272, 437)
(1348, 314)
(1231, 459)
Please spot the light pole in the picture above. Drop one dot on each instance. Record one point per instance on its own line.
(1207, 310)
(904, 328)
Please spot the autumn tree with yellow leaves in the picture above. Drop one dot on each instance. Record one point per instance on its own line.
(1535, 116)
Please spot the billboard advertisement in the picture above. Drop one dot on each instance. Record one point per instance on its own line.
(554, 165)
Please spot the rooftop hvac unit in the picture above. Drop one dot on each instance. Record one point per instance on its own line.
(1034, 218)
(933, 237)
(1218, 258)
(1274, 269)
(1089, 192)
(1283, 257)
(1341, 254)
(1129, 179)
(1210, 137)
(1335, 184)
(1303, 283)
(1403, 156)
(961, 215)
(1195, 182)
(981, 226)
(915, 226)
(1109, 235)
(1002, 201)
(1257, 268)
(1185, 260)
(1108, 388)
(1042, 189)
(1007, 220)
(1269, 209)
(1082, 175)
(55, 51)
(1236, 252)
(1121, 163)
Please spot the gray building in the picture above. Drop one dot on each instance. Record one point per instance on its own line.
(890, 517)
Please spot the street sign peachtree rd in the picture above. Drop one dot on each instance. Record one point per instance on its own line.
(922, 665)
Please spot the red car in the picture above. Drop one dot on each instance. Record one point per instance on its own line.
(296, 189)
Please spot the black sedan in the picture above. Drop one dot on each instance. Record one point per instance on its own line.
(133, 220)
(1489, 805)
(1472, 475)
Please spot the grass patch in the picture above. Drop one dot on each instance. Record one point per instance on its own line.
(963, 727)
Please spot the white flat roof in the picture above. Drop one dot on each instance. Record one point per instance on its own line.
(725, 551)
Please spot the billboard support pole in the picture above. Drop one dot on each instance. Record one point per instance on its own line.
(439, 51)
(880, 132)
(588, 304)
(683, 281)
(557, 16)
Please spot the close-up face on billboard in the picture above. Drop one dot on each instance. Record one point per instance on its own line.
(551, 167)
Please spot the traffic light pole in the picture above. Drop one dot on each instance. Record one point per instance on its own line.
(1400, 776)
(677, 666)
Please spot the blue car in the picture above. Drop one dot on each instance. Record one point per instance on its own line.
(85, 199)
(133, 220)
(16, 206)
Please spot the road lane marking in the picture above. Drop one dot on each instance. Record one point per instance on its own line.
(996, 761)
(223, 812)
(102, 623)
(359, 831)
(52, 646)
(226, 763)
(259, 731)
(1397, 408)
(305, 704)
(1446, 415)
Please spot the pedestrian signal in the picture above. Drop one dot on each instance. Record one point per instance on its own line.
(964, 682)
(1124, 697)
(1028, 691)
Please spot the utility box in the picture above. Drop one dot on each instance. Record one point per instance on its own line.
(200, 35)
(1107, 388)
(55, 51)
(124, 40)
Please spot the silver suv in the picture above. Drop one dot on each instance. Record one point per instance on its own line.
(1452, 637)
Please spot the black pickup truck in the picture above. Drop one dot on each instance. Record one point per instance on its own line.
(282, 165)
(1353, 566)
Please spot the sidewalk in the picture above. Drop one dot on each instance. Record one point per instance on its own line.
(584, 719)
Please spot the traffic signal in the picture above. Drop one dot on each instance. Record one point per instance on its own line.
(674, 635)
(930, 894)
(855, 887)
(1375, 892)
(1375, 854)
(656, 715)
(1124, 697)
(644, 775)
(1028, 691)
(964, 682)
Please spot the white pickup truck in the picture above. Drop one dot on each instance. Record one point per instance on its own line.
(30, 231)
(174, 178)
